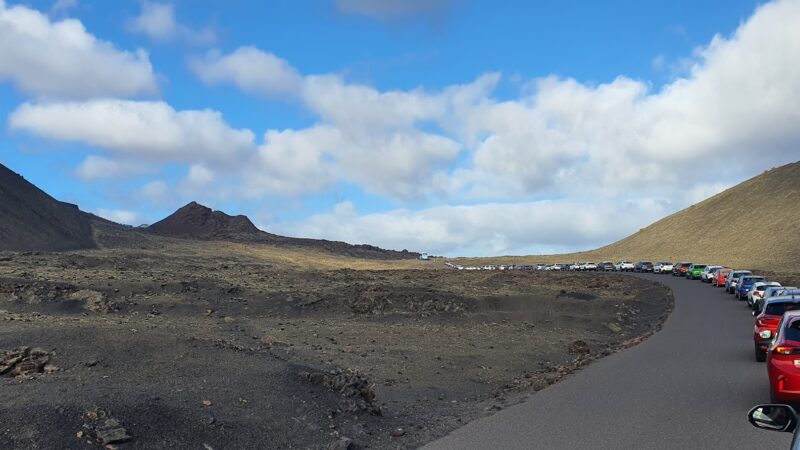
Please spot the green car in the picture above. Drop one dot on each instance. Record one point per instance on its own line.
(694, 271)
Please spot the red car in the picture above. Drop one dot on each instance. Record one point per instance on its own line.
(722, 275)
(783, 360)
(767, 323)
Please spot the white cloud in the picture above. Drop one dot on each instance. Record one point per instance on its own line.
(389, 9)
(96, 167)
(157, 21)
(250, 69)
(61, 59)
(61, 6)
(120, 216)
(492, 228)
(146, 131)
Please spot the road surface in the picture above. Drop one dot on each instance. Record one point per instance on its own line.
(688, 386)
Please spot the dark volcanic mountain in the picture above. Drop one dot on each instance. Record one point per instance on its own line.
(195, 221)
(31, 220)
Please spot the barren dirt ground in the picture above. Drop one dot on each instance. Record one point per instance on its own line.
(159, 348)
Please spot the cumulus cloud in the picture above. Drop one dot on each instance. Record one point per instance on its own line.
(60, 59)
(486, 229)
(157, 21)
(250, 69)
(391, 9)
(147, 131)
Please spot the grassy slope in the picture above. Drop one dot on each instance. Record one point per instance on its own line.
(753, 224)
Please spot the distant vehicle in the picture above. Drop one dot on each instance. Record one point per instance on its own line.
(423, 256)
(679, 269)
(574, 266)
(756, 292)
(784, 374)
(743, 285)
(776, 418)
(721, 276)
(662, 267)
(605, 266)
(767, 322)
(643, 266)
(555, 267)
(705, 276)
(695, 271)
(733, 278)
(625, 266)
(589, 266)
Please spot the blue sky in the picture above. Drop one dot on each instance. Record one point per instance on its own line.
(453, 126)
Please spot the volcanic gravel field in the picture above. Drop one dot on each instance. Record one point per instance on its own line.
(168, 347)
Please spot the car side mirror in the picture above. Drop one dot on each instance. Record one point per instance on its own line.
(773, 417)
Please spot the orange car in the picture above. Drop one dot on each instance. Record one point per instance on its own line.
(722, 275)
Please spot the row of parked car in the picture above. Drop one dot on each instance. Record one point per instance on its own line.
(776, 331)
(776, 335)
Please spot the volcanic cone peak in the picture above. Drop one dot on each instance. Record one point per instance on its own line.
(196, 220)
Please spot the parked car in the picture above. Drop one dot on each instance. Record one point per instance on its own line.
(625, 266)
(694, 271)
(680, 269)
(756, 292)
(643, 266)
(605, 266)
(662, 267)
(774, 291)
(719, 276)
(733, 278)
(767, 321)
(705, 276)
(784, 374)
(744, 284)
(776, 418)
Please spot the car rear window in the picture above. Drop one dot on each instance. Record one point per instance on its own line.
(792, 332)
(778, 308)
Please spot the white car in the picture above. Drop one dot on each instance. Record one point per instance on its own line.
(705, 275)
(625, 266)
(662, 267)
(589, 266)
(756, 293)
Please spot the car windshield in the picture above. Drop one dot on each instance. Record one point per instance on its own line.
(748, 280)
(699, 266)
(779, 308)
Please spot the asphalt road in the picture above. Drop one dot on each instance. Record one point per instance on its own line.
(688, 386)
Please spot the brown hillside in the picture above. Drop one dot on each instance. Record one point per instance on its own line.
(31, 220)
(755, 223)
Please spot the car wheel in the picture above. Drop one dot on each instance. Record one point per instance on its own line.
(761, 355)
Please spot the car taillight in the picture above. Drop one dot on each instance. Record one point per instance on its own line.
(786, 350)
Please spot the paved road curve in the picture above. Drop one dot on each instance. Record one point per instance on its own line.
(689, 386)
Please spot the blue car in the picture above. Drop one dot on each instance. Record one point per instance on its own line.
(744, 284)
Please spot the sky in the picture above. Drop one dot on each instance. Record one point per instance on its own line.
(456, 127)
